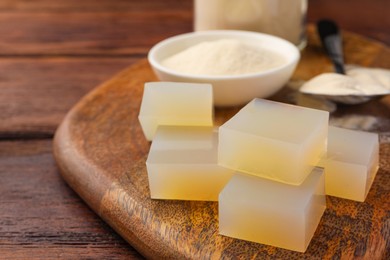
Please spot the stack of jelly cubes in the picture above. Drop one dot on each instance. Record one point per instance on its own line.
(182, 163)
(261, 165)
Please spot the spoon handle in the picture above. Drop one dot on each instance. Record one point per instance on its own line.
(331, 41)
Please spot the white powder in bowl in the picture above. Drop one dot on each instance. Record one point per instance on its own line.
(223, 57)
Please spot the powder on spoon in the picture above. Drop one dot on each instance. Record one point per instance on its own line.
(223, 57)
(358, 81)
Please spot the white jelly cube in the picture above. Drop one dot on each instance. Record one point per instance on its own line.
(182, 164)
(274, 140)
(172, 103)
(270, 212)
(351, 164)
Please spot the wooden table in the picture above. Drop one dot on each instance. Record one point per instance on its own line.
(51, 54)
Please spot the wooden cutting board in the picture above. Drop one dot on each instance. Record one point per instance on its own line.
(101, 153)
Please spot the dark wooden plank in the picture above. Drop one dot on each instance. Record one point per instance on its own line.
(129, 27)
(35, 94)
(367, 17)
(92, 5)
(40, 217)
(94, 34)
(101, 151)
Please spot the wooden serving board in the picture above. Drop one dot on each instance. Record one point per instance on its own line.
(101, 153)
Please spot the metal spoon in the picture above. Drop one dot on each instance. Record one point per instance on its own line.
(332, 42)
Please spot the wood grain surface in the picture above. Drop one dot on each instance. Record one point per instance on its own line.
(52, 52)
(111, 28)
(101, 152)
(42, 215)
(37, 113)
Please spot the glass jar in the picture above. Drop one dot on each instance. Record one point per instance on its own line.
(283, 18)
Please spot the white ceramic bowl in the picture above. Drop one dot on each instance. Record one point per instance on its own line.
(229, 90)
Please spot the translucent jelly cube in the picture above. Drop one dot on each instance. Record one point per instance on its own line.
(351, 164)
(172, 103)
(274, 140)
(270, 212)
(182, 164)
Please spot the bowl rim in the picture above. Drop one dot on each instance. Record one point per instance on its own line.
(295, 56)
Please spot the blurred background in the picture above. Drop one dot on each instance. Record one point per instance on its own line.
(62, 49)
